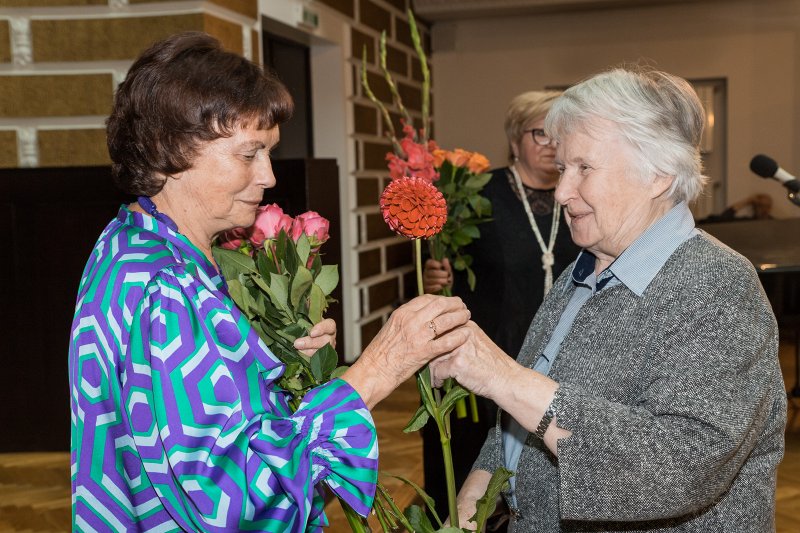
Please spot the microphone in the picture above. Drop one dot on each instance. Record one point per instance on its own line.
(766, 167)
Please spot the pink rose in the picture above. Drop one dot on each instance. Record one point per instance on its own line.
(270, 220)
(233, 239)
(312, 224)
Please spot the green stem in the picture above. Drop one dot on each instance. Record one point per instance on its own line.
(473, 404)
(449, 476)
(357, 524)
(385, 112)
(398, 514)
(426, 75)
(418, 259)
(392, 86)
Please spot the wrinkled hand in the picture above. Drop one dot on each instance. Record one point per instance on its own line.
(406, 343)
(478, 364)
(436, 275)
(320, 335)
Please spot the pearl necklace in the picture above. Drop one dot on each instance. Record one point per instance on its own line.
(548, 259)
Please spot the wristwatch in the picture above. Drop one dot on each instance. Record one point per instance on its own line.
(544, 423)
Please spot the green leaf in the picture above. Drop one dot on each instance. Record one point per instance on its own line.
(457, 212)
(300, 284)
(317, 303)
(471, 230)
(417, 421)
(233, 263)
(303, 249)
(323, 362)
(418, 519)
(289, 254)
(487, 504)
(294, 331)
(328, 278)
(485, 207)
(461, 239)
(339, 371)
(279, 283)
(426, 498)
(471, 279)
(477, 181)
(316, 266)
(248, 304)
(450, 399)
(265, 265)
(425, 390)
(235, 289)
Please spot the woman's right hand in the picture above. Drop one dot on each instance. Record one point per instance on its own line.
(437, 275)
(420, 330)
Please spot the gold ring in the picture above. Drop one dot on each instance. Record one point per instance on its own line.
(432, 326)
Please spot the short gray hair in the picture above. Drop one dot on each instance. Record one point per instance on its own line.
(657, 113)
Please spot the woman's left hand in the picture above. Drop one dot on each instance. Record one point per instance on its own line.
(482, 367)
(321, 334)
(478, 365)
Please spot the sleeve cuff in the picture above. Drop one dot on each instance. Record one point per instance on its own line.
(343, 442)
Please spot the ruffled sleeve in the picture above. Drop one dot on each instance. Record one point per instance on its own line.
(215, 435)
(335, 433)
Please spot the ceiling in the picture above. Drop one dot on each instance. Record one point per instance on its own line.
(443, 10)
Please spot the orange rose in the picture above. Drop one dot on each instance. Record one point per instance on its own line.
(478, 164)
(439, 156)
(459, 157)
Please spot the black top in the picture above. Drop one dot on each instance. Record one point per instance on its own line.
(507, 261)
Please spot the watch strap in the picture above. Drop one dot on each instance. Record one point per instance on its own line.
(544, 423)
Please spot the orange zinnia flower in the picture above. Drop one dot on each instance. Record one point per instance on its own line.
(413, 207)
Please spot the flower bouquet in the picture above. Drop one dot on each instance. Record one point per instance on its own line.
(276, 277)
(434, 194)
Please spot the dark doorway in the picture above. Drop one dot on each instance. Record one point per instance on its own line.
(50, 218)
(290, 60)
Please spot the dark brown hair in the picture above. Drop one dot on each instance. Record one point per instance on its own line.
(180, 92)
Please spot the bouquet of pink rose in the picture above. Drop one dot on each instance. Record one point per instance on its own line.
(276, 277)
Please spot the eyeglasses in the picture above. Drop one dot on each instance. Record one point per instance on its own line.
(539, 136)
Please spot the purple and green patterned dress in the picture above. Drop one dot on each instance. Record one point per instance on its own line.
(177, 423)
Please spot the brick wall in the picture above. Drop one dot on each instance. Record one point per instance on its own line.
(61, 59)
(385, 265)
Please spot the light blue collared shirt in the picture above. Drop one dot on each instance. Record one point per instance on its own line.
(635, 268)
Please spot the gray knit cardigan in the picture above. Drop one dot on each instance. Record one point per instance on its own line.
(675, 401)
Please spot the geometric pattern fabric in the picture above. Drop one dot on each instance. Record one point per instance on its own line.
(177, 423)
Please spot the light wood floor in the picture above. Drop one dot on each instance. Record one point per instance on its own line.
(35, 492)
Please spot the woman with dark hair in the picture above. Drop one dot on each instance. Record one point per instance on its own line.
(177, 423)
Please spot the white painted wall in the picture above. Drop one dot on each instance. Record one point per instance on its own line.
(479, 65)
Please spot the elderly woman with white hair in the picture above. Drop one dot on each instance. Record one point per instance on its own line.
(647, 395)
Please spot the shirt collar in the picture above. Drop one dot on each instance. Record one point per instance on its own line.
(181, 243)
(641, 261)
